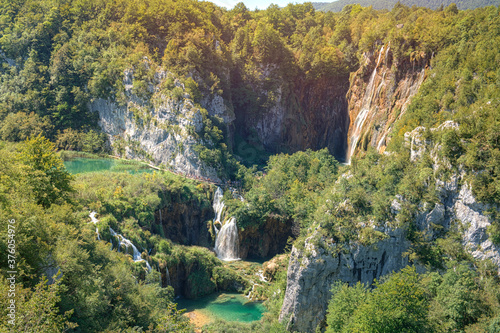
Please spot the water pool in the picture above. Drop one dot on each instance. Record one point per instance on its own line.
(226, 306)
(84, 165)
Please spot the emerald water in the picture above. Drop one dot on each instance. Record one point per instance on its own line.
(227, 306)
(84, 165)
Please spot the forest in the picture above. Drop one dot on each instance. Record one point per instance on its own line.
(337, 6)
(59, 56)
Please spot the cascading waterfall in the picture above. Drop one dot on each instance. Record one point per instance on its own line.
(227, 242)
(94, 220)
(218, 205)
(365, 108)
(226, 237)
(262, 278)
(136, 255)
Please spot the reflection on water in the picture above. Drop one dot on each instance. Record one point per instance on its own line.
(229, 307)
(84, 165)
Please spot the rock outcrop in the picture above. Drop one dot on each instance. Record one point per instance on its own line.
(313, 270)
(265, 240)
(379, 93)
(185, 223)
(296, 115)
(161, 125)
(457, 201)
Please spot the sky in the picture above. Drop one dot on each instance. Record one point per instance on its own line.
(260, 4)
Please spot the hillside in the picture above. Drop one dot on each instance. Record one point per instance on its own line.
(337, 6)
(342, 167)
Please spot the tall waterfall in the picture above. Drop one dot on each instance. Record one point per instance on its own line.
(226, 236)
(136, 255)
(363, 113)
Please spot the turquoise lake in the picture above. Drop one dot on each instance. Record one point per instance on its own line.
(226, 306)
(84, 165)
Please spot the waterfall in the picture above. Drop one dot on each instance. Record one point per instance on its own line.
(94, 220)
(227, 242)
(127, 243)
(363, 113)
(218, 206)
(168, 276)
(226, 236)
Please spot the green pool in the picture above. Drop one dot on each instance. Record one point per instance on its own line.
(226, 306)
(84, 165)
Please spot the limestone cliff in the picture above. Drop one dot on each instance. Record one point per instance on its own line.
(379, 94)
(457, 201)
(160, 124)
(313, 268)
(265, 240)
(185, 223)
(296, 115)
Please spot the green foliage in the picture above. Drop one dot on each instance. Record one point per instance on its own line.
(460, 299)
(345, 300)
(174, 321)
(398, 304)
(20, 126)
(289, 189)
(34, 310)
(55, 241)
(451, 5)
(57, 56)
(135, 196)
(213, 150)
(46, 174)
(89, 142)
(457, 302)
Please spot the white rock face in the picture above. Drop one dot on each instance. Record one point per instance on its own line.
(216, 106)
(471, 215)
(160, 129)
(417, 142)
(312, 272)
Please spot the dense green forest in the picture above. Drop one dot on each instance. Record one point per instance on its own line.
(337, 6)
(59, 55)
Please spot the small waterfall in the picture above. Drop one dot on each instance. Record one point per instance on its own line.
(94, 220)
(365, 109)
(127, 243)
(168, 276)
(226, 236)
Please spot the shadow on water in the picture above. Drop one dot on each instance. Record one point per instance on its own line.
(226, 306)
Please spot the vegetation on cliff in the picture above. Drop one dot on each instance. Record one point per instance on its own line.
(337, 6)
(59, 55)
(461, 300)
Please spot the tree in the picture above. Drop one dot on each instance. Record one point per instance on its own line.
(345, 300)
(47, 175)
(397, 305)
(458, 301)
(35, 310)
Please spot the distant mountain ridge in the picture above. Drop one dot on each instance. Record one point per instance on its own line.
(337, 6)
